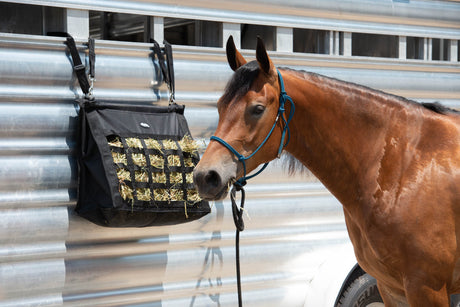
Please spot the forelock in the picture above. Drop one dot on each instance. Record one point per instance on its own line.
(241, 82)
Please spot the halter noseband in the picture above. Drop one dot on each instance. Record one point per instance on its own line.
(283, 97)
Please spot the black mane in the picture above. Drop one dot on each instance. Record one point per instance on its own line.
(438, 108)
(241, 82)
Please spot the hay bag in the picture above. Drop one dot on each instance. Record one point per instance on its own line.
(136, 166)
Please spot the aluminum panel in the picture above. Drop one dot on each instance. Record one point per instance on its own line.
(33, 225)
(38, 198)
(36, 172)
(17, 276)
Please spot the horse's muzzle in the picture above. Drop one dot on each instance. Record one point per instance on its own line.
(210, 184)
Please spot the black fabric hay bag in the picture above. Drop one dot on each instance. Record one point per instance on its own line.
(135, 165)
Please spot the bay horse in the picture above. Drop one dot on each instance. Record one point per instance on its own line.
(392, 163)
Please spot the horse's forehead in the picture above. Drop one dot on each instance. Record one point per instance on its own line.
(241, 91)
(234, 104)
(252, 94)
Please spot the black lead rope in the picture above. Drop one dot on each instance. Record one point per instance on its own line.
(239, 224)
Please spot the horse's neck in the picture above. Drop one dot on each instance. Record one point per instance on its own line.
(339, 133)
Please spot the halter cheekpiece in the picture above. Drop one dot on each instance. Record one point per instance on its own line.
(281, 110)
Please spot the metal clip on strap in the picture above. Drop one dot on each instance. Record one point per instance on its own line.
(238, 212)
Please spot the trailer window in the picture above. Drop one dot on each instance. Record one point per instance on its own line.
(137, 28)
(21, 18)
(375, 45)
(118, 27)
(250, 32)
(440, 49)
(30, 19)
(414, 48)
(192, 32)
(311, 41)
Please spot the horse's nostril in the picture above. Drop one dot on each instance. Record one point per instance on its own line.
(212, 178)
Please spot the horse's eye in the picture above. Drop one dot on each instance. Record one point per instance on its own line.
(258, 109)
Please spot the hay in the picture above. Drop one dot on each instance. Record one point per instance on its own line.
(173, 160)
(141, 176)
(193, 197)
(133, 142)
(176, 195)
(143, 194)
(189, 177)
(170, 144)
(188, 161)
(168, 195)
(175, 178)
(119, 158)
(125, 191)
(161, 195)
(188, 144)
(159, 177)
(139, 159)
(114, 142)
(157, 161)
(153, 144)
(123, 174)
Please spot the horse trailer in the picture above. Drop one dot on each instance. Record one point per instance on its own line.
(295, 250)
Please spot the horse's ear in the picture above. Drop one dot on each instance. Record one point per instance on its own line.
(262, 57)
(234, 57)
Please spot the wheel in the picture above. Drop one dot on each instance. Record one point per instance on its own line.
(455, 300)
(362, 292)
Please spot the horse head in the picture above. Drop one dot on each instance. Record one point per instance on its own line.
(248, 117)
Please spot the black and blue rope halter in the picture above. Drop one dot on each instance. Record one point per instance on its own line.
(238, 185)
(281, 110)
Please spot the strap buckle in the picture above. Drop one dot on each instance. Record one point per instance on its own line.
(79, 67)
(171, 95)
(91, 87)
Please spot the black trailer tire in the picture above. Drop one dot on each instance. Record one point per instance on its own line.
(362, 292)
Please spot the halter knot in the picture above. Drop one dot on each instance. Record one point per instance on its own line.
(239, 184)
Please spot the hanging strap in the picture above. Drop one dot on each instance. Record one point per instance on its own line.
(86, 84)
(170, 63)
(92, 58)
(168, 68)
(161, 60)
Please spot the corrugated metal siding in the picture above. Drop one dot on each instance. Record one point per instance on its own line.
(49, 256)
